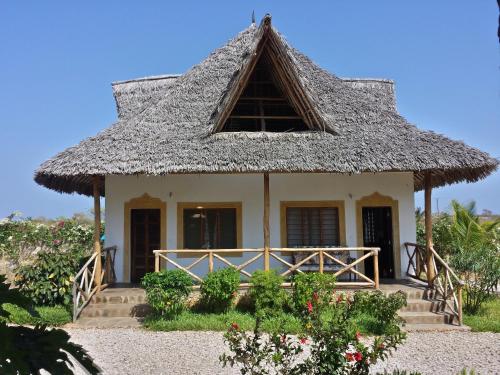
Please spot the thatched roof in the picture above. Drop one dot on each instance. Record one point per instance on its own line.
(168, 125)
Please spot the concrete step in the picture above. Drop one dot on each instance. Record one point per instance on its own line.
(434, 327)
(422, 317)
(418, 305)
(120, 295)
(103, 323)
(118, 310)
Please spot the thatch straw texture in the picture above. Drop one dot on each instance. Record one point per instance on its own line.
(165, 126)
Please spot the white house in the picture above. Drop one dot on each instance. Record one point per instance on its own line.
(254, 150)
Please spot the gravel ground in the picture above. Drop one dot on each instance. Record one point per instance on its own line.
(134, 351)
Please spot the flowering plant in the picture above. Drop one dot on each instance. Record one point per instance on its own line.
(334, 344)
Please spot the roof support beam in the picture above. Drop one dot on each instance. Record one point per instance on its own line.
(428, 228)
(97, 231)
(267, 241)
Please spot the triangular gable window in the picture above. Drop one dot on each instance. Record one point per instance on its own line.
(267, 94)
(262, 105)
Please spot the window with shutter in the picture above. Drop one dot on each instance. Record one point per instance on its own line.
(312, 226)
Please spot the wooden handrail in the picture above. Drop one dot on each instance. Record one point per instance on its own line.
(86, 283)
(322, 253)
(443, 280)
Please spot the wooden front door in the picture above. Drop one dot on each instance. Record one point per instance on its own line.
(377, 232)
(145, 236)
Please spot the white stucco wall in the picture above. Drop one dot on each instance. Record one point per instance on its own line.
(248, 189)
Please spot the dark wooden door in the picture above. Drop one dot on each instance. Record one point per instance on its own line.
(145, 237)
(377, 232)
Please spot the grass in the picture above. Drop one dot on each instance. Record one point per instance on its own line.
(487, 319)
(196, 321)
(47, 315)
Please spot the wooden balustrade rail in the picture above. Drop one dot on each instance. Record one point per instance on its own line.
(329, 260)
(446, 285)
(84, 282)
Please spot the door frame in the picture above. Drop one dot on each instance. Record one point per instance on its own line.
(378, 200)
(145, 201)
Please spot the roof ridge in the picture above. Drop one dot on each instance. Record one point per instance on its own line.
(147, 78)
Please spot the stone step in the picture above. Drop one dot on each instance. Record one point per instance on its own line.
(422, 317)
(103, 322)
(418, 305)
(120, 295)
(118, 310)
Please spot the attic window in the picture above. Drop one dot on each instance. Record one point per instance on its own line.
(262, 105)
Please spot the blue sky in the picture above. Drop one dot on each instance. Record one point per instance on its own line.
(57, 60)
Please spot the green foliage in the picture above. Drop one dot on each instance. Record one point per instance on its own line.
(44, 315)
(399, 372)
(20, 239)
(48, 281)
(383, 309)
(440, 233)
(191, 321)
(219, 289)
(328, 324)
(487, 319)
(266, 292)
(167, 291)
(28, 350)
(468, 372)
(476, 255)
(305, 285)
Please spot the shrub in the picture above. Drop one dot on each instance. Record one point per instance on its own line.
(305, 285)
(476, 255)
(266, 293)
(382, 308)
(21, 239)
(219, 289)
(48, 281)
(166, 291)
(335, 345)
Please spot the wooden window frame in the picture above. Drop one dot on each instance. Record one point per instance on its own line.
(143, 202)
(181, 206)
(339, 205)
(378, 200)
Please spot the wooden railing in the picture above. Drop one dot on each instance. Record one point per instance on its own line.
(84, 282)
(445, 285)
(326, 260)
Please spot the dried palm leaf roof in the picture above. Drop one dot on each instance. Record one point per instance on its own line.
(169, 125)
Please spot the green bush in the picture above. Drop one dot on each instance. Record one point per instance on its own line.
(382, 308)
(307, 285)
(166, 291)
(219, 289)
(476, 255)
(48, 281)
(266, 293)
(20, 239)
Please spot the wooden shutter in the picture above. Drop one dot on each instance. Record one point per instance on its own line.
(312, 226)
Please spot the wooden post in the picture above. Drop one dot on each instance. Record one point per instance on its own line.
(428, 228)
(267, 241)
(157, 262)
(459, 300)
(375, 269)
(210, 261)
(97, 232)
(321, 261)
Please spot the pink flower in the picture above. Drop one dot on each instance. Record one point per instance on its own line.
(309, 307)
(340, 298)
(358, 356)
(235, 326)
(57, 242)
(358, 336)
(303, 340)
(60, 224)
